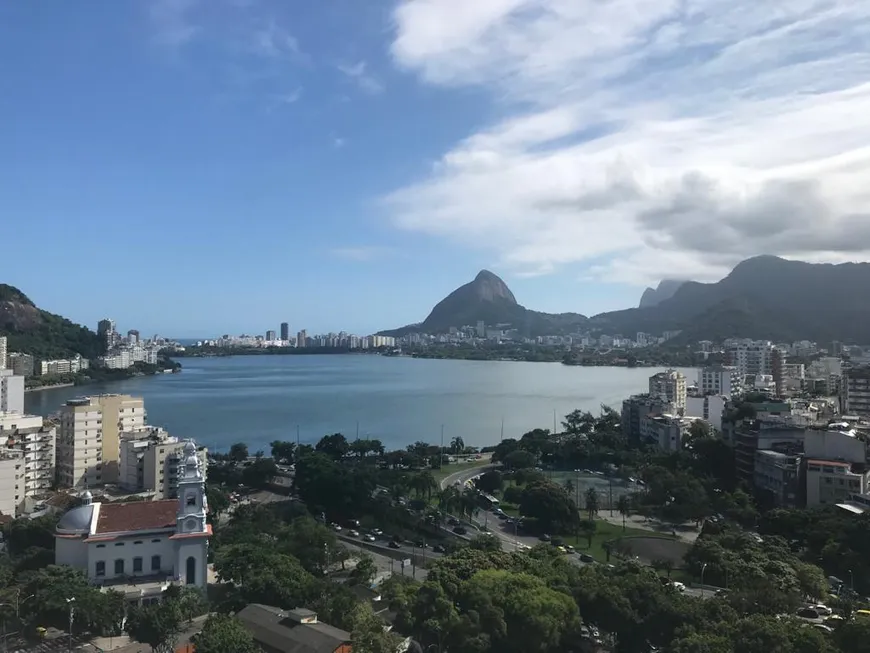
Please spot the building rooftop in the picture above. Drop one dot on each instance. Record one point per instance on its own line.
(277, 629)
(833, 463)
(136, 516)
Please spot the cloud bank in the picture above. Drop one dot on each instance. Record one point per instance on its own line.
(647, 138)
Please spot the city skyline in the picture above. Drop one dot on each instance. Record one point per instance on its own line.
(348, 164)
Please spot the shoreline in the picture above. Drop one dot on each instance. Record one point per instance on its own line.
(49, 387)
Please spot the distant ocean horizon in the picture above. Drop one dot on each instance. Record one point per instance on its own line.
(398, 400)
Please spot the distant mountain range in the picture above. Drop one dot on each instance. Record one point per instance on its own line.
(764, 297)
(665, 290)
(488, 298)
(31, 330)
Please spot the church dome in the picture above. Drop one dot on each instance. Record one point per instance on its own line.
(77, 520)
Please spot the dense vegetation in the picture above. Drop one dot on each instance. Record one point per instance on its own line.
(96, 374)
(31, 330)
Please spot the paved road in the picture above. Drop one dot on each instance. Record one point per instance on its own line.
(465, 475)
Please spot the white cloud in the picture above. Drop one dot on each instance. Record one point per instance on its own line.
(648, 138)
(361, 254)
(358, 73)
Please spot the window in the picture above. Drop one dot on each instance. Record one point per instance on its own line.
(119, 566)
(119, 544)
(101, 546)
(191, 499)
(155, 563)
(101, 568)
(138, 542)
(155, 541)
(137, 564)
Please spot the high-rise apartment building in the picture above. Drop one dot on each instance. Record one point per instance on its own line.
(271, 336)
(302, 339)
(719, 380)
(91, 426)
(35, 439)
(150, 461)
(285, 331)
(3, 352)
(671, 386)
(133, 336)
(751, 357)
(11, 481)
(11, 392)
(855, 391)
(20, 364)
(107, 331)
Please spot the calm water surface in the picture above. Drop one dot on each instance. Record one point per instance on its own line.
(258, 399)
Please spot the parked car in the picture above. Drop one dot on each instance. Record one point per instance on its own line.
(369, 538)
(335, 527)
(453, 521)
(677, 585)
(438, 548)
(570, 548)
(377, 531)
(460, 530)
(822, 609)
(585, 557)
(545, 538)
(807, 613)
(394, 545)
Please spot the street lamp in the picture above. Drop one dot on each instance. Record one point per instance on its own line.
(703, 569)
(72, 611)
(851, 581)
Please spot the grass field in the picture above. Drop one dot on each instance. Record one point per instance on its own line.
(604, 532)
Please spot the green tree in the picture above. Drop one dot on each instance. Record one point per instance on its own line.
(519, 459)
(283, 451)
(592, 502)
(259, 474)
(238, 452)
(335, 446)
(550, 506)
(369, 633)
(587, 528)
(364, 571)
(224, 634)
(457, 445)
(490, 482)
(157, 625)
(218, 501)
(623, 505)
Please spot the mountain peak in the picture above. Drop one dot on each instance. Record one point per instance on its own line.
(486, 275)
(665, 290)
(489, 287)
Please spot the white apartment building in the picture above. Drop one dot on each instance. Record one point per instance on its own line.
(36, 439)
(63, 365)
(667, 431)
(719, 380)
(833, 481)
(11, 481)
(11, 392)
(708, 407)
(3, 352)
(670, 385)
(751, 357)
(150, 460)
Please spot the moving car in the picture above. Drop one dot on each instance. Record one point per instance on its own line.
(394, 545)
(353, 533)
(369, 538)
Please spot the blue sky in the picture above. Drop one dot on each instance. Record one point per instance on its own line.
(196, 167)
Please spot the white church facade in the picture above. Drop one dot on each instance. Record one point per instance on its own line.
(141, 547)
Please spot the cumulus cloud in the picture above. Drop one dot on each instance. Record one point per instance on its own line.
(647, 138)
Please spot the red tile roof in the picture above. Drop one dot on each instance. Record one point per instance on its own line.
(137, 516)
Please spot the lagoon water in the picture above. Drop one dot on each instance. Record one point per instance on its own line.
(258, 399)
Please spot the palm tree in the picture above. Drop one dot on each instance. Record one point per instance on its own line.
(592, 502)
(569, 487)
(426, 483)
(457, 445)
(468, 503)
(623, 505)
(448, 499)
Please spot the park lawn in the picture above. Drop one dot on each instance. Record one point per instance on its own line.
(605, 531)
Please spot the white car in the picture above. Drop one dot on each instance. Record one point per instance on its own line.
(822, 609)
(335, 527)
(353, 533)
(677, 585)
(369, 538)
